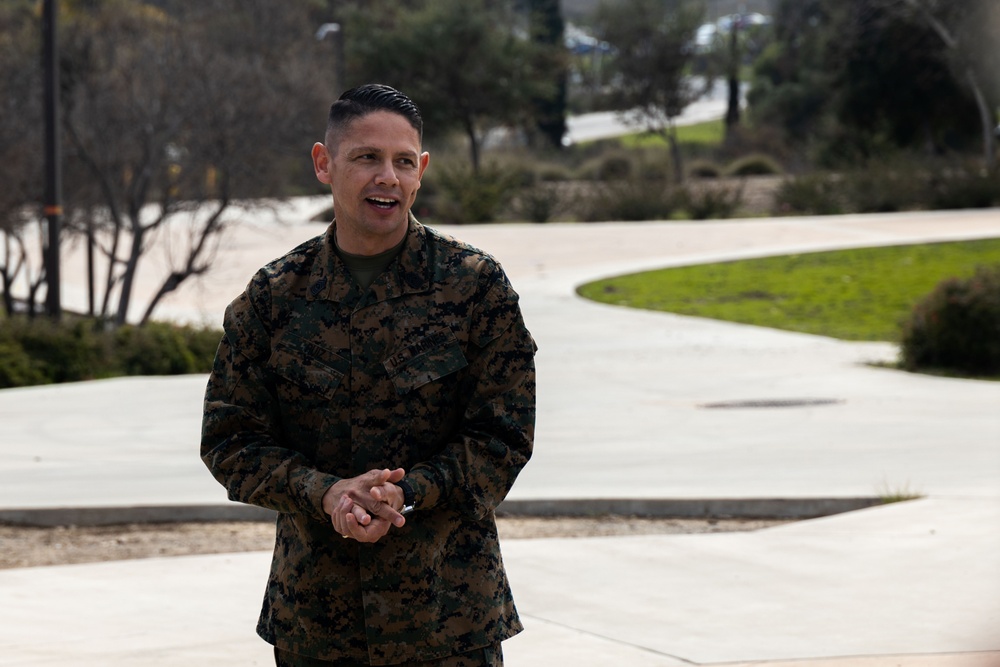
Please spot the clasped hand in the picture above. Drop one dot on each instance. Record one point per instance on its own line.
(367, 506)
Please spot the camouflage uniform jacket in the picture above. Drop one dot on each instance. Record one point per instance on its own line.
(431, 370)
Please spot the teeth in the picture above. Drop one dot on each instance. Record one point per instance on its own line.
(380, 200)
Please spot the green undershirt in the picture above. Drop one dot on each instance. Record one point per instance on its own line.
(366, 268)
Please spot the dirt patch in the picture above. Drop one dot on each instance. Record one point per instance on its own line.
(34, 547)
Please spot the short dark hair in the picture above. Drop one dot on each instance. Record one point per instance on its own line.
(369, 98)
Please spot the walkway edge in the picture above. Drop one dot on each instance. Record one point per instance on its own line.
(721, 508)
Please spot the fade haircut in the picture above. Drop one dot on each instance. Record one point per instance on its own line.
(366, 99)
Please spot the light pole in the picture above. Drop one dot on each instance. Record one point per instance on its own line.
(336, 31)
(52, 206)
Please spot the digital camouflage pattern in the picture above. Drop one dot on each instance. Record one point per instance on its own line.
(430, 370)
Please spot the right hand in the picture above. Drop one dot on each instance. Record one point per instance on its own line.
(357, 505)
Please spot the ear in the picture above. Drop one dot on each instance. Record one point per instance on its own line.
(425, 159)
(321, 162)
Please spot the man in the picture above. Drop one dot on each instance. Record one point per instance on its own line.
(375, 386)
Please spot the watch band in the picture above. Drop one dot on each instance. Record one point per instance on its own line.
(408, 497)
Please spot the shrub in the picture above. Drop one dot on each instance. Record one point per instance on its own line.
(42, 352)
(203, 343)
(704, 169)
(618, 164)
(631, 200)
(815, 194)
(153, 349)
(885, 188)
(956, 327)
(612, 166)
(754, 165)
(465, 196)
(66, 352)
(16, 367)
(711, 203)
(539, 203)
(964, 189)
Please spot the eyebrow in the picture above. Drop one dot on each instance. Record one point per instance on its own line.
(361, 150)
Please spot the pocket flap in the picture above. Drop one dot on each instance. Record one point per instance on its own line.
(431, 358)
(311, 366)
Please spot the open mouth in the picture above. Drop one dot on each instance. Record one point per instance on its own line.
(383, 203)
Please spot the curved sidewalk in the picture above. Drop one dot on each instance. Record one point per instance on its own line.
(622, 415)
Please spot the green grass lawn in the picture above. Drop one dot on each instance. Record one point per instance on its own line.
(860, 294)
(707, 134)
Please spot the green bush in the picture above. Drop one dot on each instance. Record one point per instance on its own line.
(815, 194)
(16, 367)
(703, 169)
(539, 203)
(757, 164)
(967, 188)
(885, 188)
(69, 352)
(153, 349)
(612, 166)
(631, 201)
(956, 327)
(464, 196)
(711, 203)
(38, 351)
(618, 164)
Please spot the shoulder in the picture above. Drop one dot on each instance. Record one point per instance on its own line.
(458, 260)
(277, 278)
(296, 262)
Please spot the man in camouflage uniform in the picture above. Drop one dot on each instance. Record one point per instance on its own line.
(377, 370)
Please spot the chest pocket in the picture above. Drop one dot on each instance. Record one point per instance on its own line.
(427, 360)
(310, 367)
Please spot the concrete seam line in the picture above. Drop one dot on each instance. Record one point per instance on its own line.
(721, 508)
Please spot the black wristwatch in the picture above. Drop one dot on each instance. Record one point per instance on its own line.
(408, 498)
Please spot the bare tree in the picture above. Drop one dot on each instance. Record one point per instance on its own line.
(177, 109)
(20, 152)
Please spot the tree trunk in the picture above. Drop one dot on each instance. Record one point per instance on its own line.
(733, 109)
(675, 153)
(470, 130)
(128, 276)
(986, 121)
(192, 267)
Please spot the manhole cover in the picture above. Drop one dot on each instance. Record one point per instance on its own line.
(773, 403)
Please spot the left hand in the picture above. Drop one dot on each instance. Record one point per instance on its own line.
(364, 507)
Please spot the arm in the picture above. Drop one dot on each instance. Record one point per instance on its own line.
(241, 443)
(476, 469)
(243, 447)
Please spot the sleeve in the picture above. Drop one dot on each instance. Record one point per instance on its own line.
(241, 442)
(475, 470)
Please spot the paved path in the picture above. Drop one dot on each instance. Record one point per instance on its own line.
(621, 415)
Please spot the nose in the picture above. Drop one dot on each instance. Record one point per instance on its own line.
(386, 174)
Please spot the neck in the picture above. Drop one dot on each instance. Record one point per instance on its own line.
(368, 246)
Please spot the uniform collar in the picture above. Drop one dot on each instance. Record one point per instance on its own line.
(409, 272)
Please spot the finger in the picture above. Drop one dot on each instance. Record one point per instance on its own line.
(374, 478)
(385, 512)
(350, 525)
(374, 532)
(361, 515)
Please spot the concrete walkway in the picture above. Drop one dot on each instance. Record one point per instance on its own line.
(623, 414)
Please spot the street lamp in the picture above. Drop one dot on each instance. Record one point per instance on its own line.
(52, 205)
(336, 31)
